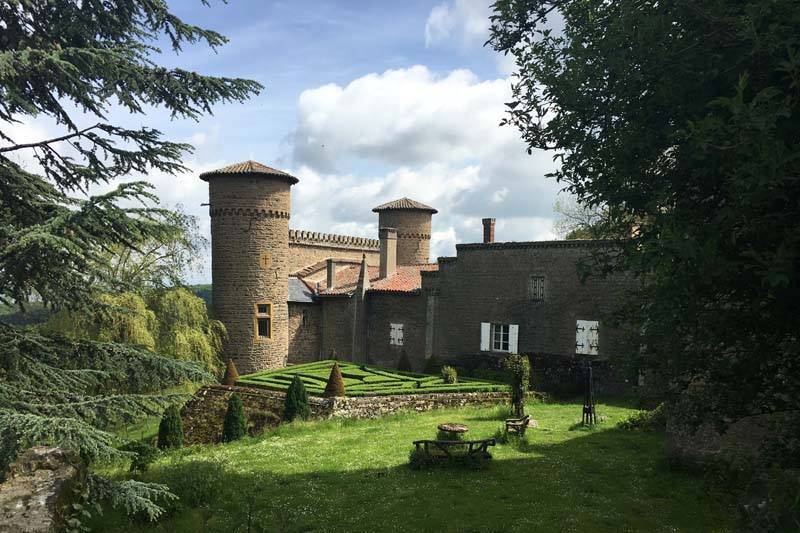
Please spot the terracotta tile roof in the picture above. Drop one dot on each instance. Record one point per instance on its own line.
(249, 167)
(404, 203)
(406, 279)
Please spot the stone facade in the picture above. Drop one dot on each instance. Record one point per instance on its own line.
(305, 335)
(204, 413)
(385, 309)
(413, 234)
(492, 283)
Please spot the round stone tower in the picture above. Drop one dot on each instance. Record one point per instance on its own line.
(412, 220)
(249, 204)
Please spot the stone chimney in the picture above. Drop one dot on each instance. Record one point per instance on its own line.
(388, 238)
(331, 279)
(488, 230)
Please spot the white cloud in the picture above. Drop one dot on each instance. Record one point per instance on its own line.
(433, 138)
(466, 21)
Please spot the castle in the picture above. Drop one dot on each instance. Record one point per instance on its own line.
(289, 296)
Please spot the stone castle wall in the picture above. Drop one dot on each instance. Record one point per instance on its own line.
(413, 234)
(490, 283)
(338, 316)
(305, 332)
(250, 264)
(307, 248)
(407, 309)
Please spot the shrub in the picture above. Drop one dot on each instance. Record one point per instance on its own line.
(404, 364)
(432, 365)
(231, 374)
(296, 403)
(449, 375)
(170, 430)
(655, 420)
(335, 386)
(144, 454)
(235, 426)
(520, 369)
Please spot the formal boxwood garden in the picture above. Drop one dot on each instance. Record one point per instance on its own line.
(364, 380)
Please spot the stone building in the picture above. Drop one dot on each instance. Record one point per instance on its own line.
(290, 296)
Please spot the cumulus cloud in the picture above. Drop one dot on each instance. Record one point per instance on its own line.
(435, 138)
(466, 21)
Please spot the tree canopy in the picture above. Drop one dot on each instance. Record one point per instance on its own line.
(72, 63)
(682, 117)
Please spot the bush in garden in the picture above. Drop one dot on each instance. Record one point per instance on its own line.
(296, 403)
(335, 386)
(231, 374)
(449, 374)
(520, 369)
(235, 426)
(404, 364)
(144, 454)
(170, 430)
(655, 420)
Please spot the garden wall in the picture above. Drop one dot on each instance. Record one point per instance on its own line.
(203, 414)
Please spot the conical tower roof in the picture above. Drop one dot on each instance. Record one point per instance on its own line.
(404, 204)
(249, 167)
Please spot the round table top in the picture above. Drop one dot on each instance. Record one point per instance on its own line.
(453, 428)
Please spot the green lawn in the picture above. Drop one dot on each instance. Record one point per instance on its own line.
(364, 380)
(350, 476)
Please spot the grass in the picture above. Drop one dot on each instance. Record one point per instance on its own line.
(352, 475)
(364, 380)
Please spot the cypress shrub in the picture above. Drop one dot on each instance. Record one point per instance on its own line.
(432, 365)
(449, 374)
(170, 430)
(231, 374)
(335, 386)
(235, 426)
(519, 366)
(404, 364)
(296, 404)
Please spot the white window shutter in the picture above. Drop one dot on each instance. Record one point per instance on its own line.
(485, 336)
(513, 338)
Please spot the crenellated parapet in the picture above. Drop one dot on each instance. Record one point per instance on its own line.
(314, 238)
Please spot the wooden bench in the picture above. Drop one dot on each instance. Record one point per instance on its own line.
(518, 425)
(455, 448)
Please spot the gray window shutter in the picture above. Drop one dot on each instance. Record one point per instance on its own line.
(513, 338)
(486, 336)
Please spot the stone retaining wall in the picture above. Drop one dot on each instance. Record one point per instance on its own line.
(203, 414)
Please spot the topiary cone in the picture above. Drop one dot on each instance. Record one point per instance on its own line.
(335, 386)
(231, 374)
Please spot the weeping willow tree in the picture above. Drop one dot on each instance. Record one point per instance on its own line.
(69, 62)
(172, 322)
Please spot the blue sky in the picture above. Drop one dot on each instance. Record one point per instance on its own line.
(365, 102)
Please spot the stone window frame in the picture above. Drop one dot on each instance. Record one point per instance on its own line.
(262, 315)
(537, 292)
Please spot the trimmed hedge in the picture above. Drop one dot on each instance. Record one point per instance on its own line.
(364, 380)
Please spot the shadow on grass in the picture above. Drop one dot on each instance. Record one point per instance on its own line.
(600, 481)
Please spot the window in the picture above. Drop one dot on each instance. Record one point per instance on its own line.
(263, 321)
(536, 288)
(500, 337)
(396, 334)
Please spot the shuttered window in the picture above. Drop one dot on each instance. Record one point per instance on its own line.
(396, 334)
(499, 337)
(536, 288)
